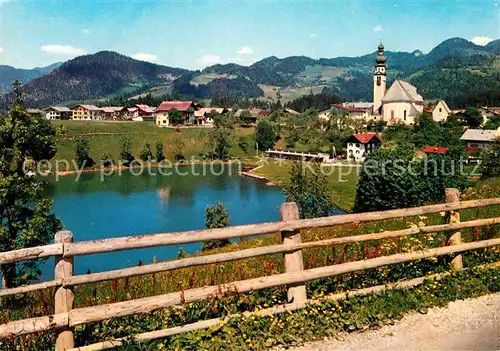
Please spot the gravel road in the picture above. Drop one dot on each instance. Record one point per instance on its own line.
(472, 324)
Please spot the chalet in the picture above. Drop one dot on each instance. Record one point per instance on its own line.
(204, 116)
(132, 112)
(488, 112)
(113, 113)
(57, 113)
(86, 113)
(351, 110)
(441, 111)
(359, 145)
(479, 138)
(34, 112)
(145, 111)
(185, 108)
(253, 114)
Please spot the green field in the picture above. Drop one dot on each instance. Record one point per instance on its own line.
(342, 180)
(104, 137)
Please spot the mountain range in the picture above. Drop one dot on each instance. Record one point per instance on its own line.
(457, 70)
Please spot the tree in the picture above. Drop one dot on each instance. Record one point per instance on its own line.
(391, 178)
(473, 117)
(160, 153)
(126, 150)
(221, 143)
(265, 135)
(107, 160)
(175, 117)
(82, 153)
(490, 166)
(493, 123)
(179, 147)
(308, 187)
(243, 143)
(146, 153)
(25, 216)
(216, 216)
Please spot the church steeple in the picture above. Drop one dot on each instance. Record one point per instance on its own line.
(379, 80)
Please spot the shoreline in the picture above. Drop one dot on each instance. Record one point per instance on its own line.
(153, 165)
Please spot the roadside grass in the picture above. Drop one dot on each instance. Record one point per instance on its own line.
(41, 303)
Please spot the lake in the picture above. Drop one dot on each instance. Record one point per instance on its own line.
(146, 204)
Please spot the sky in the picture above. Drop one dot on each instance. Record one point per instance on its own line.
(195, 34)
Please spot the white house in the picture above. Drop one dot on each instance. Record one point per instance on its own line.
(479, 138)
(185, 108)
(402, 103)
(360, 145)
(57, 112)
(441, 111)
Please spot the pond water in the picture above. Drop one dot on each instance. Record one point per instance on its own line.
(126, 204)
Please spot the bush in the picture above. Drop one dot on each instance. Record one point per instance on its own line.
(391, 179)
(107, 160)
(308, 188)
(243, 144)
(160, 151)
(146, 154)
(216, 216)
(126, 150)
(490, 166)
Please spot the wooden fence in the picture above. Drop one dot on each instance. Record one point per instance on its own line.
(65, 318)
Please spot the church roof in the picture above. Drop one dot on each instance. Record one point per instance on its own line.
(401, 91)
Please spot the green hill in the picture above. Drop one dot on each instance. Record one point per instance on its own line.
(457, 70)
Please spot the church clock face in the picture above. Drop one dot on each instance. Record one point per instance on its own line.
(379, 80)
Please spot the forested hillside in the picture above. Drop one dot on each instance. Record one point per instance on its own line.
(457, 70)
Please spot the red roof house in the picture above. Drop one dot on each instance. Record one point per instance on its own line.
(434, 150)
(175, 105)
(365, 138)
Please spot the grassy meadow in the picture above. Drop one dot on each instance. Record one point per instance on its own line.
(104, 137)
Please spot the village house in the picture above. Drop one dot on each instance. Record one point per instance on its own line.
(441, 111)
(57, 113)
(325, 114)
(86, 113)
(132, 112)
(361, 144)
(254, 114)
(351, 111)
(204, 116)
(113, 113)
(476, 139)
(488, 112)
(34, 112)
(434, 150)
(185, 108)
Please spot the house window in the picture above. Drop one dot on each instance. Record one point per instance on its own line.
(357, 145)
(404, 114)
(392, 114)
(440, 109)
(164, 122)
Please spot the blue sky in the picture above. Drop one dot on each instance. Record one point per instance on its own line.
(194, 34)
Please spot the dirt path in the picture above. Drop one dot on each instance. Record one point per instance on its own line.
(472, 324)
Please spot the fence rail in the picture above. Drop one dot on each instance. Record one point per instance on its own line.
(294, 277)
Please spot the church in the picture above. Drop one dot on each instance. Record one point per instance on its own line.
(401, 103)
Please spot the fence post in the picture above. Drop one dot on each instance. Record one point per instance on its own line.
(64, 297)
(289, 211)
(453, 195)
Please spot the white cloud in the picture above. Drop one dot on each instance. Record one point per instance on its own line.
(66, 50)
(145, 57)
(86, 31)
(312, 35)
(209, 59)
(481, 40)
(245, 51)
(378, 28)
